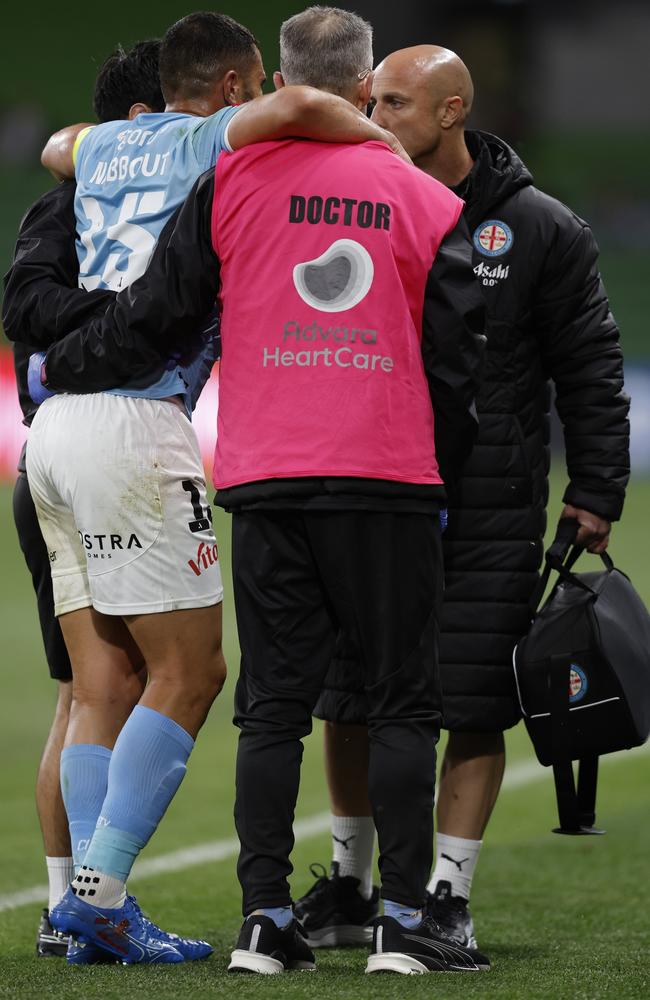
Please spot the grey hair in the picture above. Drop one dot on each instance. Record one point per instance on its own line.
(325, 47)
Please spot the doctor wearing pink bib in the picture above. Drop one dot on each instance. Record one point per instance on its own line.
(351, 327)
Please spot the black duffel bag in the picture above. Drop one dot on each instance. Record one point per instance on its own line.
(583, 674)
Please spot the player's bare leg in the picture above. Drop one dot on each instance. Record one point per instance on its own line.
(186, 670)
(49, 803)
(54, 824)
(346, 768)
(185, 661)
(353, 828)
(470, 780)
(108, 679)
(472, 771)
(106, 665)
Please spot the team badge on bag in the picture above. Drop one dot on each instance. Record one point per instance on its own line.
(577, 683)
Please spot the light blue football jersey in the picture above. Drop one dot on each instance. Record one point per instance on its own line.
(131, 177)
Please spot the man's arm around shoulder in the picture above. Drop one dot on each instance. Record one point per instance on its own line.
(42, 300)
(305, 113)
(158, 315)
(59, 151)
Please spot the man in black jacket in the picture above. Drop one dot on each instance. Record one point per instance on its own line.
(547, 319)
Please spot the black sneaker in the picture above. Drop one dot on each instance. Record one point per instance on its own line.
(264, 948)
(425, 948)
(333, 913)
(50, 943)
(452, 913)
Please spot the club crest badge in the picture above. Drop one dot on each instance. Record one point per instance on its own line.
(577, 683)
(493, 238)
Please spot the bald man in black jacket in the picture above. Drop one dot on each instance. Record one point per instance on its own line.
(548, 321)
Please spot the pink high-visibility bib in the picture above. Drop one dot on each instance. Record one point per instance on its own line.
(325, 251)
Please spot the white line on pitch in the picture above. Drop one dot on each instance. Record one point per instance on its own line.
(516, 776)
(175, 861)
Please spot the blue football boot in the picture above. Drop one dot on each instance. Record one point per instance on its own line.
(122, 932)
(80, 953)
(192, 950)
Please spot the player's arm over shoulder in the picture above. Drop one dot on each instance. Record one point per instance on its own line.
(60, 150)
(306, 113)
(163, 312)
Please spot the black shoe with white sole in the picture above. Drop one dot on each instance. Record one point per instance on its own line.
(333, 913)
(424, 948)
(50, 943)
(266, 949)
(452, 913)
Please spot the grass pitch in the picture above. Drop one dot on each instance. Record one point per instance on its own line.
(560, 917)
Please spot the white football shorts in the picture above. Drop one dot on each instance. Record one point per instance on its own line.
(120, 494)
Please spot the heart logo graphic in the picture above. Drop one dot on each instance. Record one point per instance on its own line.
(339, 279)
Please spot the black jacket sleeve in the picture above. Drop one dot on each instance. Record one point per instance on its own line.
(580, 347)
(453, 345)
(42, 300)
(156, 316)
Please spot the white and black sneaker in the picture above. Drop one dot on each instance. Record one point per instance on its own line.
(333, 913)
(50, 943)
(266, 949)
(452, 913)
(424, 948)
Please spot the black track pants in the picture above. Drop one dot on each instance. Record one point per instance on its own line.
(299, 577)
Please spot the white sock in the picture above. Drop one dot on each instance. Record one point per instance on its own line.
(353, 845)
(60, 872)
(101, 890)
(455, 863)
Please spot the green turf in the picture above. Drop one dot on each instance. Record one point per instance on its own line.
(560, 917)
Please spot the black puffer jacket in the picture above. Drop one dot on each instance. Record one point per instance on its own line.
(548, 318)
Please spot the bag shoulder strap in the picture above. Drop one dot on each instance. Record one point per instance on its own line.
(576, 808)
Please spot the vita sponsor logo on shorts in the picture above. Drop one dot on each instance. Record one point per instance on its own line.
(103, 546)
(206, 556)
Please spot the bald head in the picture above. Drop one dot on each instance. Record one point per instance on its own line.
(439, 72)
(424, 94)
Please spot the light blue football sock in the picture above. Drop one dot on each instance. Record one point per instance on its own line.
(405, 916)
(84, 780)
(148, 764)
(280, 915)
